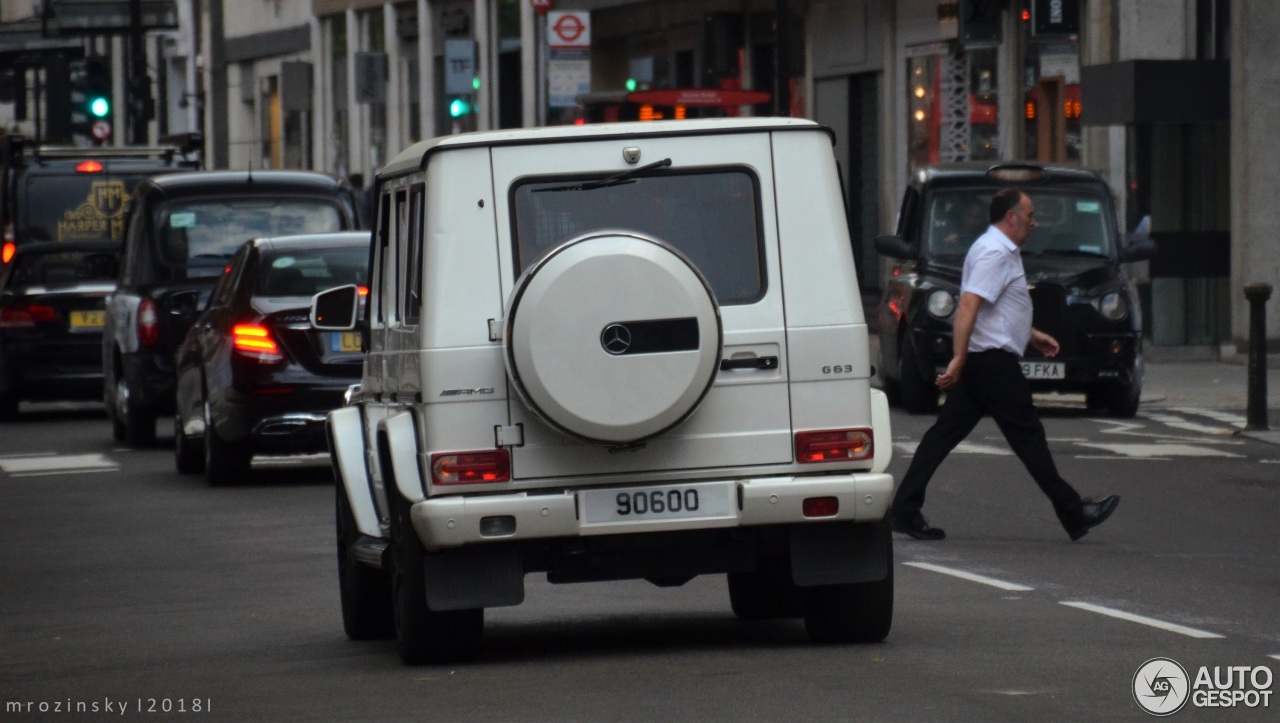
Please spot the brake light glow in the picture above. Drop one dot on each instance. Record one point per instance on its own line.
(148, 323)
(834, 445)
(89, 167)
(363, 290)
(460, 468)
(9, 249)
(254, 340)
(26, 316)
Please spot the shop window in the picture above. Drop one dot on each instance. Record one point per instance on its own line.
(952, 105)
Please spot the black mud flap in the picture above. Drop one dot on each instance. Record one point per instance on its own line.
(469, 578)
(839, 553)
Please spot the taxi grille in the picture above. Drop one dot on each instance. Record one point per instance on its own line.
(1049, 314)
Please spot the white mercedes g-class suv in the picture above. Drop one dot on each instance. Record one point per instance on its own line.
(618, 351)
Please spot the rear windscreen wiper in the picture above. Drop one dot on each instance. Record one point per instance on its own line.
(615, 180)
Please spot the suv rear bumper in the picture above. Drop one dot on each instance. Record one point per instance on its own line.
(455, 521)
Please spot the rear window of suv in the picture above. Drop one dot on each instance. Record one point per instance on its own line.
(207, 233)
(712, 217)
(75, 207)
(62, 268)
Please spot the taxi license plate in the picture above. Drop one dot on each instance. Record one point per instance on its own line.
(1044, 370)
(706, 500)
(88, 320)
(345, 341)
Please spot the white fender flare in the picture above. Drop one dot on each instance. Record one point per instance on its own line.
(880, 424)
(346, 446)
(402, 448)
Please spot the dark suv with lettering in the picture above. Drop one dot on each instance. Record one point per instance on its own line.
(182, 230)
(1079, 290)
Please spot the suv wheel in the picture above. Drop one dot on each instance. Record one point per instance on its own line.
(860, 612)
(764, 595)
(224, 462)
(424, 635)
(367, 612)
(188, 454)
(919, 395)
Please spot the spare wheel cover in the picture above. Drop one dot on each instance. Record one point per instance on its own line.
(612, 337)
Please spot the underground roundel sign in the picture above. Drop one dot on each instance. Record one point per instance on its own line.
(612, 337)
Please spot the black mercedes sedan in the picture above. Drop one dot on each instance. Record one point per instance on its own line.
(52, 301)
(1074, 260)
(252, 375)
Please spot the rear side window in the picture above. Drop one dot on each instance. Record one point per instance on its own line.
(712, 217)
(308, 272)
(202, 235)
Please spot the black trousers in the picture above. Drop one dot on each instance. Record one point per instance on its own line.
(991, 383)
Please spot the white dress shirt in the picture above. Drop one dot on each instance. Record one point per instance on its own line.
(993, 270)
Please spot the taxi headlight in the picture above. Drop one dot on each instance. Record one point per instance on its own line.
(1113, 306)
(941, 303)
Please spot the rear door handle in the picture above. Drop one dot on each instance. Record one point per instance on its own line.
(754, 362)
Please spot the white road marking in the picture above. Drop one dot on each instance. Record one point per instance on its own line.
(1115, 457)
(27, 454)
(1141, 620)
(909, 448)
(61, 472)
(1277, 657)
(1134, 430)
(1270, 461)
(971, 577)
(56, 462)
(1160, 450)
(1234, 420)
(1176, 422)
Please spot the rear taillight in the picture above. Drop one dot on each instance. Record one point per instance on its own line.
(833, 445)
(25, 316)
(148, 323)
(255, 342)
(10, 248)
(460, 468)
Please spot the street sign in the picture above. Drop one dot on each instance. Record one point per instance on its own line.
(541, 7)
(1055, 18)
(459, 65)
(100, 130)
(568, 30)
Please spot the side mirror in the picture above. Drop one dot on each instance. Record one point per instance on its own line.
(1139, 248)
(895, 247)
(335, 309)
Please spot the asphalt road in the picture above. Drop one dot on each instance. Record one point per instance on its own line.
(124, 583)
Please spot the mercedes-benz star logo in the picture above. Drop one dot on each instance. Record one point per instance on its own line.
(616, 339)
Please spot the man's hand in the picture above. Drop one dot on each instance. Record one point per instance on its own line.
(951, 376)
(1044, 344)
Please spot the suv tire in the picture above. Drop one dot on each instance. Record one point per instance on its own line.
(765, 594)
(919, 395)
(860, 612)
(367, 612)
(424, 635)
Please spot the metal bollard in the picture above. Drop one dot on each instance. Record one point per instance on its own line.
(1256, 416)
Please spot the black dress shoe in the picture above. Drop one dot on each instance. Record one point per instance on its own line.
(1088, 515)
(918, 527)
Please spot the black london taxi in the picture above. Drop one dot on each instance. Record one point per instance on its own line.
(1080, 292)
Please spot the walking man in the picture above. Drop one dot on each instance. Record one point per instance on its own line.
(992, 329)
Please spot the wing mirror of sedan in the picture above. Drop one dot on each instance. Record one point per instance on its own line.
(895, 247)
(335, 309)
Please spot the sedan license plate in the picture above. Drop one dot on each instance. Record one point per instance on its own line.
(346, 341)
(88, 320)
(1044, 370)
(669, 502)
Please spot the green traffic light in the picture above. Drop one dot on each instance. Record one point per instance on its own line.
(100, 107)
(631, 84)
(459, 108)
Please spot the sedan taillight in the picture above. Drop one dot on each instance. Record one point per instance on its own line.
(26, 316)
(254, 341)
(834, 445)
(148, 323)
